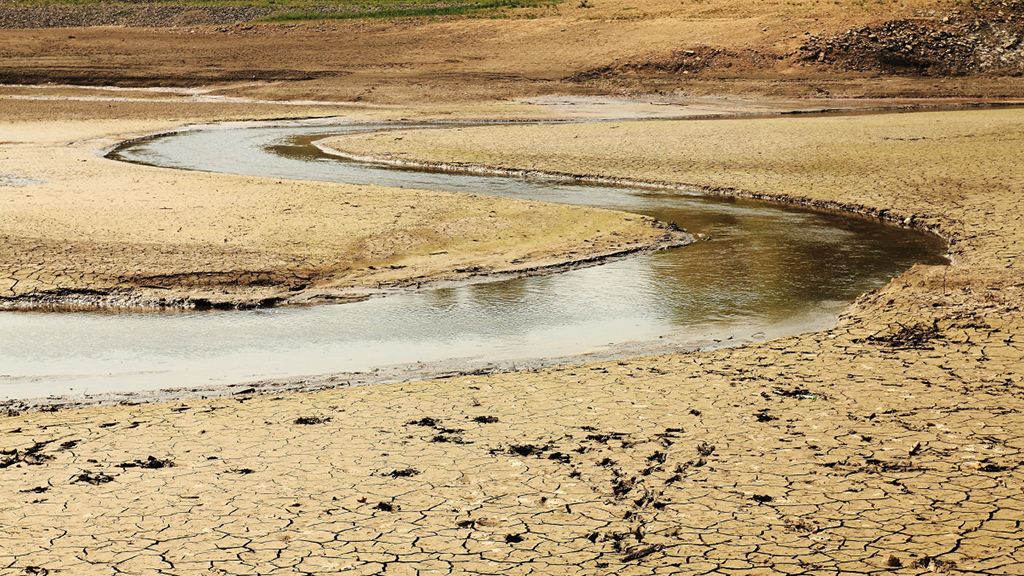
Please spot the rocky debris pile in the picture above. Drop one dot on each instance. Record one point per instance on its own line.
(987, 37)
(139, 15)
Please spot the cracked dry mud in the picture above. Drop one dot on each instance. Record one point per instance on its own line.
(892, 444)
(94, 232)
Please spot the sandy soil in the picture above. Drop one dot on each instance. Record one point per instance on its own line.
(891, 444)
(81, 230)
(612, 46)
(931, 158)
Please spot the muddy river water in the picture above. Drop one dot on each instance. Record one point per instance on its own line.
(767, 270)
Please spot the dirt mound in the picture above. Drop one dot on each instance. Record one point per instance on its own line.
(143, 14)
(987, 38)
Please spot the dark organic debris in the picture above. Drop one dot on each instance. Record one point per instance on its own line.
(528, 449)
(992, 467)
(761, 498)
(914, 337)
(449, 439)
(642, 552)
(384, 507)
(150, 463)
(604, 437)
(31, 456)
(513, 538)
(94, 479)
(560, 457)
(622, 486)
(403, 473)
(797, 392)
(934, 564)
(425, 421)
(485, 419)
(311, 420)
(658, 457)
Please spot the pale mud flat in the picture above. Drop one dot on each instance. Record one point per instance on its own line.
(889, 444)
(82, 230)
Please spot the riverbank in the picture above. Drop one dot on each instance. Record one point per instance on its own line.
(82, 231)
(889, 444)
(798, 48)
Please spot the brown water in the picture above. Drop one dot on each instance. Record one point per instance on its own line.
(767, 271)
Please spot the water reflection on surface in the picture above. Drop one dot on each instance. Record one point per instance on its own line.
(766, 271)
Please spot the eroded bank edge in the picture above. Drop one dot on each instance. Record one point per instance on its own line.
(909, 221)
(138, 300)
(396, 375)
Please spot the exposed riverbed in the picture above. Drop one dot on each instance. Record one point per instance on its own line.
(765, 271)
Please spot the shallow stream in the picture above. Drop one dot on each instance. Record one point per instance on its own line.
(767, 271)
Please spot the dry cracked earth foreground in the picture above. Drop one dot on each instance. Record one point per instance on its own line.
(889, 445)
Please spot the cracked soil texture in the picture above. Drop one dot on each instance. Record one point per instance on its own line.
(85, 231)
(892, 444)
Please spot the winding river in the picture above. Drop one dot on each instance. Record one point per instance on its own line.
(767, 271)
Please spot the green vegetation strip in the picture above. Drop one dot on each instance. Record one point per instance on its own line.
(404, 10)
(291, 10)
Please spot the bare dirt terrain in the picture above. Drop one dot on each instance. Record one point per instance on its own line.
(890, 444)
(800, 48)
(81, 230)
